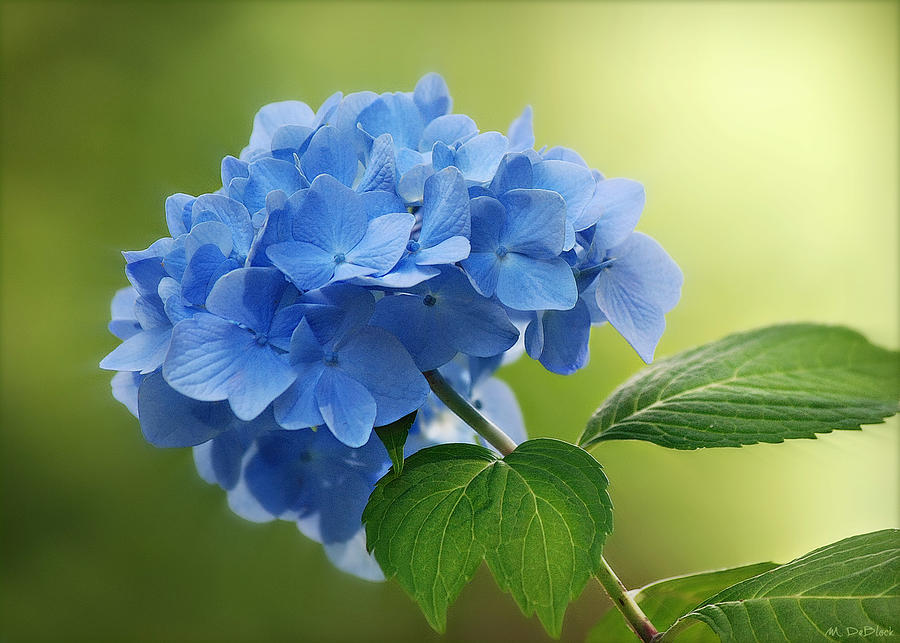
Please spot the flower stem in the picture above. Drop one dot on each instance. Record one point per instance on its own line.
(469, 414)
(633, 614)
(636, 618)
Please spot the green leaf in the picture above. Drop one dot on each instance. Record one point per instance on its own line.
(765, 385)
(664, 601)
(842, 590)
(393, 437)
(539, 518)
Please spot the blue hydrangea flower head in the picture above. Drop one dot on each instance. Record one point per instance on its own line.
(350, 249)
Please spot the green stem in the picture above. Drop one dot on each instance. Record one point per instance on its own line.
(469, 414)
(633, 614)
(505, 445)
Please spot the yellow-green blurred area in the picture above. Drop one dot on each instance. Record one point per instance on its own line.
(766, 136)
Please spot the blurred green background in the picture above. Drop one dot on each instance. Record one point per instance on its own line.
(766, 136)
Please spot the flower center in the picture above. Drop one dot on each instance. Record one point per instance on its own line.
(330, 359)
(429, 300)
(501, 251)
(413, 246)
(340, 258)
(262, 339)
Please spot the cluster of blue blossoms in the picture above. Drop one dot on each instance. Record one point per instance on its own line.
(348, 251)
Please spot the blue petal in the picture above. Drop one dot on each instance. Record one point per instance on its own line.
(331, 216)
(394, 114)
(211, 359)
(125, 390)
(233, 168)
(412, 184)
(352, 557)
(306, 265)
(198, 281)
(267, 175)
(479, 157)
(214, 232)
(328, 108)
(157, 250)
(432, 96)
(488, 217)
(383, 244)
(475, 325)
(380, 168)
(178, 213)
(565, 339)
(145, 274)
(563, 154)
(247, 296)
(377, 360)
(122, 305)
(498, 402)
(448, 129)
(514, 171)
(521, 131)
(274, 115)
(483, 269)
(170, 419)
(290, 140)
(355, 306)
(576, 185)
(618, 204)
(446, 252)
(379, 202)
(418, 327)
(219, 460)
(525, 283)
(297, 407)
(347, 407)
(442, 156)
(445, 212)
(536, 223)
(330, 152)
(142, 352)
(283, 325)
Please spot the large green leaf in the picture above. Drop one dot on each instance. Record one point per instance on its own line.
(665, 601)
(765, 385)
(843, 590)
(539, 518)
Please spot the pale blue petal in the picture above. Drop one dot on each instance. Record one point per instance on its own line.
(170, 419)
(514, 171)
(214, 232)
(274, 115)
(566, 334)
(564, 154)
(328, 108)
(488, 217)
(432, 96)
(536, 223)
(631, 312)
(233, 168)
(379, 202)
(574, 182)
(297, 408)
(479, 157)
(331, 216)
(394, 114)
(498, 402)
(521, 131)
(248, 296)
(122, 305)
(618, 204)
(290, 140)
(346, 406)
(412, 184)
(650, 268)
(330, 152)
(267, 175)
(483, 269)
(381, 364)
(381, 167)
(445, 212)
(525, 283)
(352, 557)
(442, 156)
(404, 275)
(384, 242)
(449, 251)
(125, 390)
(306, 265)
(142, 352)
(178, 213)
(448, 129)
